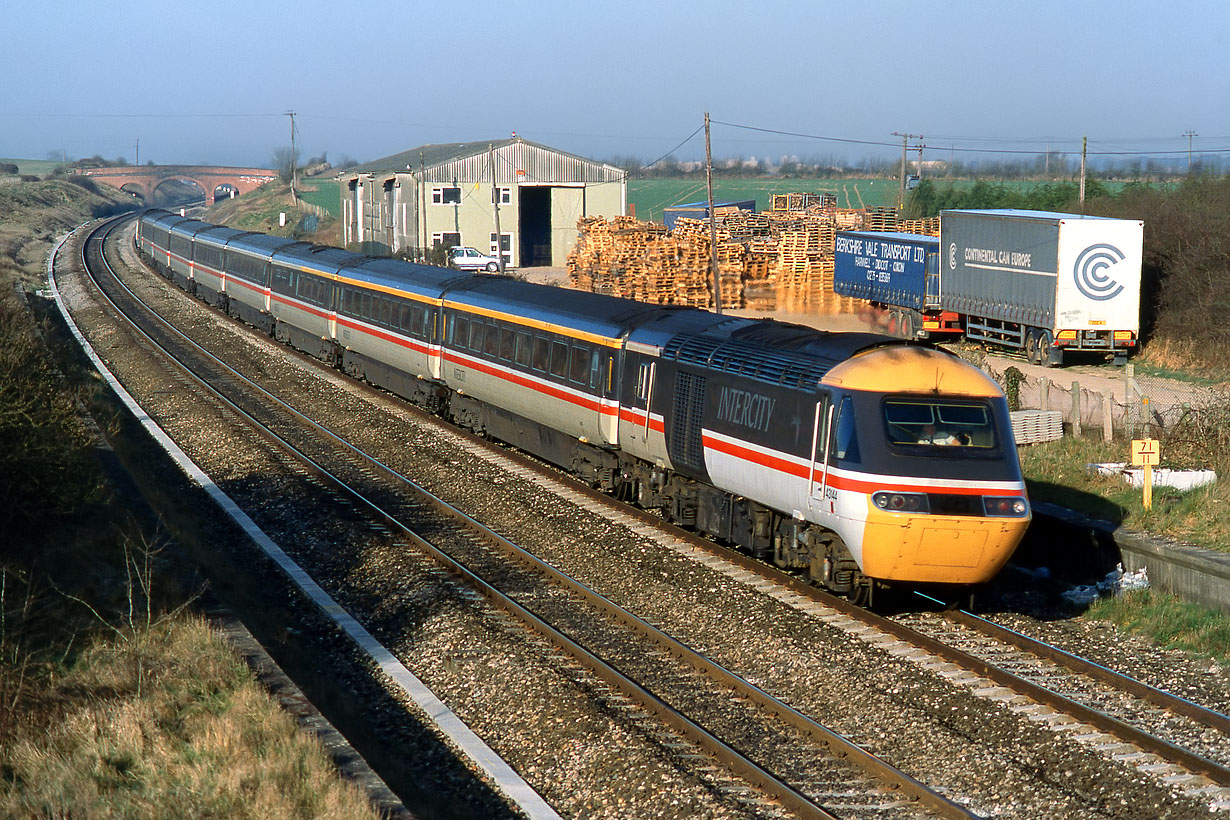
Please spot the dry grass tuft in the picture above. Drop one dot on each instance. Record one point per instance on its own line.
(169, 725)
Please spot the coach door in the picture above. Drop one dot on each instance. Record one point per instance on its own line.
(818, 472)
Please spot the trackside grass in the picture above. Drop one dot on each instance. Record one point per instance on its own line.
(165, 723)
(1168, 621)
(1056, 471)
(109, 706)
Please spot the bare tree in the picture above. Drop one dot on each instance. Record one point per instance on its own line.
(285, 160)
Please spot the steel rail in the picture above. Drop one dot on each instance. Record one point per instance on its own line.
(1158, 697)
(760, 778)
(1197, 764)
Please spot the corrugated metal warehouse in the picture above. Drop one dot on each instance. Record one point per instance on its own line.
(447, 194)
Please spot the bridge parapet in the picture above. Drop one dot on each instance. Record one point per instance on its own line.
(147, 178)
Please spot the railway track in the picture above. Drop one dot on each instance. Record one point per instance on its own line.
(829, 770)
(676, 685)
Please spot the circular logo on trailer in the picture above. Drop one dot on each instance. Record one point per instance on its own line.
(952, 256)
(1092, 272)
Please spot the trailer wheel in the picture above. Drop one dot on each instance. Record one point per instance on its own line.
(909, 324)
(894, 322)
(1048, 354)
(1031, 347)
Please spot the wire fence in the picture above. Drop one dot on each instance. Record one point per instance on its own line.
(1124, 404)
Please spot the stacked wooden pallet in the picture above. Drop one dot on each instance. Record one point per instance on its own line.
(880, 219)
(930, 226)
(640, 260)
(777, 259)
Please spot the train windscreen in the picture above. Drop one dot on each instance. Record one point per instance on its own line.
(931, 423)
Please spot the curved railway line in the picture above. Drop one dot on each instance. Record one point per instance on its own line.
(742, 737)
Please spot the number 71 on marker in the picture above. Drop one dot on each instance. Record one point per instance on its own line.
(1146, 452)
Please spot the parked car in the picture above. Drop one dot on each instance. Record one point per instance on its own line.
(470, 259)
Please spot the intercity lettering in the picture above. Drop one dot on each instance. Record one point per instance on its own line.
(748, 409)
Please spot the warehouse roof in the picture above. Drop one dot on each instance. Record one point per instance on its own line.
(444, 155)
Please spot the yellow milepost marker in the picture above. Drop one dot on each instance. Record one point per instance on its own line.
(1147, 453)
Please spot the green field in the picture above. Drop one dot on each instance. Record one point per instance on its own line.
(38, 167)
(321, 192)
(650, 197)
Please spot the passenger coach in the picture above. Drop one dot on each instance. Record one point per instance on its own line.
(858, 458)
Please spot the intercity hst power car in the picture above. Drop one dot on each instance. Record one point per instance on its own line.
(860, 459)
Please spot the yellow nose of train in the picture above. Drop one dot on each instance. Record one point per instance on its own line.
(947, 511)
(927, 549)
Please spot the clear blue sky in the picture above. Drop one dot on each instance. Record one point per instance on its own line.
(210, 82)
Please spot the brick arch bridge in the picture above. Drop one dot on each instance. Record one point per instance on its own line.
(145, 179)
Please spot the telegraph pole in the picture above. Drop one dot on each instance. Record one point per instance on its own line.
(137, 161)
(423, 205)
(495, 202)
(1189, 135)
(713, 260)
(905, 138)
(1084, 146)
(291, 114)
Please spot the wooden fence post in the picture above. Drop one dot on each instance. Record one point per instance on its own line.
(1076, 408)
(1044, 393)
(1108, 409)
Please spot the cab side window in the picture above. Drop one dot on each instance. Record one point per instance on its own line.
(845, 438)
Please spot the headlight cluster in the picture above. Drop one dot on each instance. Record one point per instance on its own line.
(901, 502)
(1011, 506)
(995, 506)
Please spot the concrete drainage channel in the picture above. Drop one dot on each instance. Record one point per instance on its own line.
(1199, 576)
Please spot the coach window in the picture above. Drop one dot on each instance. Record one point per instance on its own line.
(282, 279)
(476, 335)
(595, 370)
(523, 349)
(508, 343)
(417, 320)
(542, 351)
(491, 345)
(459, 331)
(559, 360)
(580, 365)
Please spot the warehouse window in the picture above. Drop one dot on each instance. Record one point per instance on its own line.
(445, 238)
(505, 195)
(505, 247)
(446, 195)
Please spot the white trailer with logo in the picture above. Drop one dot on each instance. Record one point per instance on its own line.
(1043, 282)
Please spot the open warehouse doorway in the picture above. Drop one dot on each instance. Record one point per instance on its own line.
(535, 226)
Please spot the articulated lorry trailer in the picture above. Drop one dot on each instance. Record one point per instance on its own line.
(1039, 282)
